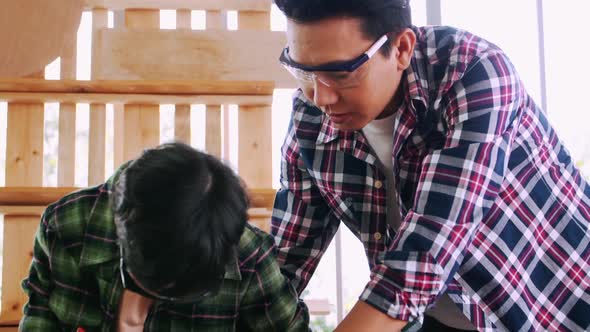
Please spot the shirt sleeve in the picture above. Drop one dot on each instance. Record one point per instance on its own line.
(270, 302)
(302, 223)
(38, 285)
(457, 186)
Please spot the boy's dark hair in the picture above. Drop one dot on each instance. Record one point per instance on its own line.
(378, 17)
(179, 215)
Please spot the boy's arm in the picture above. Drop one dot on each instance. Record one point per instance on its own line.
(270, 302)
(38, 285)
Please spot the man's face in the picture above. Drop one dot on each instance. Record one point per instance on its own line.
(341, 39)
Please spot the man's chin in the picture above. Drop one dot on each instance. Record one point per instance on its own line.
(348, 126)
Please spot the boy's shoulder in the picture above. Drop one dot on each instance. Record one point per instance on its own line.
(253, 244)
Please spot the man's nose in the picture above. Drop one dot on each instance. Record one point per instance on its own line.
(323, 95)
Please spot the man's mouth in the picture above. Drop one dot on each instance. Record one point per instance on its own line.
(340, 117)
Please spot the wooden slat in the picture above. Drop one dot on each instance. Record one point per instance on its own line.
(99, 22)
(248, 20)
(66, 145)
(42, 196)
(213, 130)
(226, 130)
(32, 196)
(67, 121)
(19, 233)
(142, 129)
(255, 126)
(183, 19)
(23, 97)
(119, 134)
(165, 92)
(260, 217)
(216, 20)
(27, 211)
(182, 122)
(182, 113)
(262, 223)
(254, 5)
(8, 328)
(118, 18)
(24, 145)
(142, 18)
(206, 55)
(152, 87)
(262, 197)
(97, 124)
(97, 144)
(142, 121)
(67, 65)
(255, 146)
(24, 167)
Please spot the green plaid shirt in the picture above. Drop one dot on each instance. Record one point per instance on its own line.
(74, 279)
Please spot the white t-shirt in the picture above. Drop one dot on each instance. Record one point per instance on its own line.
(379, 133)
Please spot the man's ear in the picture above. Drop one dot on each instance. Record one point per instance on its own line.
(404, 48)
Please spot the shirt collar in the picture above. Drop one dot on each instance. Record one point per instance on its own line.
(232, 269)
(103, 248)
(415, 75)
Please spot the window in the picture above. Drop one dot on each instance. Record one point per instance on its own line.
(566, 49)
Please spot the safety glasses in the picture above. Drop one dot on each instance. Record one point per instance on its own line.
(342, 74)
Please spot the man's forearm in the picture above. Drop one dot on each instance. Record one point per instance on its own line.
(363, 317)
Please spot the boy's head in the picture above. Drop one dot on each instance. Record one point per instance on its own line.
(179, 215)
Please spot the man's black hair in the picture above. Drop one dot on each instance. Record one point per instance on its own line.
(378, 17)
(179, 215)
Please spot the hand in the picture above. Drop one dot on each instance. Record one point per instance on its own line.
(363, 317)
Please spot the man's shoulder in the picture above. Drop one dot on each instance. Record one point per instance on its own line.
(443, 55)
(446, 46)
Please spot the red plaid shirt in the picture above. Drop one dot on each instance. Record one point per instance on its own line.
(494, 212)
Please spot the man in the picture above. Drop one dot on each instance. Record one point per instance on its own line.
(425, 144)
(163, 245)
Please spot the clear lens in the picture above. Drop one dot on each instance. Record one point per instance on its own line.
(300, 75)
(337, 79)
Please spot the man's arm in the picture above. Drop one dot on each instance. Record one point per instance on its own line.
(302, 224)
(364, 317)
(38, 285)
(458, 184)
(271, 303)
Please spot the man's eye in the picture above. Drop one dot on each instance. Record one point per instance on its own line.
(339, 76)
